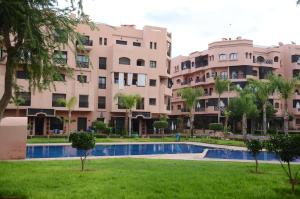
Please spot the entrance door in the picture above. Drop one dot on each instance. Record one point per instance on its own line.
(39, 125)
(82, 124)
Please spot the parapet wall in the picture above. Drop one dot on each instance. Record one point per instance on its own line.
(13, 135)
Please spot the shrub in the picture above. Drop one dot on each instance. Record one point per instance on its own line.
(99, 126)
(254, 146)
(83, 142)
(271, 131)
(215, 127)
(287, 149)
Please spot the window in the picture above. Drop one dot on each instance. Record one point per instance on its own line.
(233, 56)
(124, 61)
(60, 57)
(58, 100)
(82, 61)
(141, 79)
(102, 83)
(151, 44)
(169, 49)
(276, 105)
(152, 82)
(121, 42)
(152, 101)
(134, 79)
(82, 78)
(101, 102)
(103, 41)
(140, 104)
(26, 96)
(82, 124)
(59, 77)
(140, 62)
(178, 81)
(102, 62)
(297, 121)
(222, 57)
(21, 74)
(83, 101)
(138, 44)
(56, 123)
(276, 59)
(152, 64)
(178, 107)
(155, 45)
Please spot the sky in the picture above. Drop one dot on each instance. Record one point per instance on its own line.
(195, 23)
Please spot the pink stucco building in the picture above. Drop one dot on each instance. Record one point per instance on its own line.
(235, 59)
(118, 59)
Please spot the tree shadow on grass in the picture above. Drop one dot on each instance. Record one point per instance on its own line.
(286, 192)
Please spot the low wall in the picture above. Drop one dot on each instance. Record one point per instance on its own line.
(13, 136)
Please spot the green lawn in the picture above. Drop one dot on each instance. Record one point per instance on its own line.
(166, 139)
(141, 178)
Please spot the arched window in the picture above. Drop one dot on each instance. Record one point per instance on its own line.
(276, 105)
(250, 55)
(178, 81)
(140, 62)
(246, 55)
(276, 59)
(260, 59)
(124, 61)
(233, 56)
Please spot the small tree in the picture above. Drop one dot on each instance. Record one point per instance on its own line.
(287, 149)
(161, 124)
(254, 146)
(215, 127)
(99, 126)
(83, 142)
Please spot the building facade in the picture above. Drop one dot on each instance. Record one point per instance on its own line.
(115, 59)
(237, 60)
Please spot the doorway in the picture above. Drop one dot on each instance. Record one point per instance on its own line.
(39, 125)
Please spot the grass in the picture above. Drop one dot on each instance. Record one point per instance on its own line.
(166, 139)
(142, 178)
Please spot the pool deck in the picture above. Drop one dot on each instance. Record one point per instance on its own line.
(182, 156)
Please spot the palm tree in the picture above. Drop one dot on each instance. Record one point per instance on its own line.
(69, 104)
(190, 97)
(17, 101)
(128, 102)
(286, 88)
(262, 91)
(227, 114)
(221, 85)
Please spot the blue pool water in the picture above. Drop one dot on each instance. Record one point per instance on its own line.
(52, 151)
(112, 150)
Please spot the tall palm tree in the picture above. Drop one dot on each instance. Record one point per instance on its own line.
(128, 102)
(69, 104)
(227, 114)
(262, 91)
(221, 85)
(190, 97)
(286, 88)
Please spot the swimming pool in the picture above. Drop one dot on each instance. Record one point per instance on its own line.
(64, 151)
(51, 151)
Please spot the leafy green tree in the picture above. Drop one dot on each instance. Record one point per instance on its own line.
(83, 142)
(30, 31)
(221, 85)
(254, 146)
(70, 105)
(262, 91)
(128, 102)
(286, 88)
(287, 149)
(190, 97)
(161, 124)
(17, 100)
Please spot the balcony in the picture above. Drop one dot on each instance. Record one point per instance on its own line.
(199, 80)
(201, 109)
(84, 44)
(60, 61)
(238, 76)
(82, 64)
(185, 110)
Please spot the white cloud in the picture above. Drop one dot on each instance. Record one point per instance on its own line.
(195, 23)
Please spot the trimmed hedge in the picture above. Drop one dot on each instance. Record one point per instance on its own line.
(215, 126)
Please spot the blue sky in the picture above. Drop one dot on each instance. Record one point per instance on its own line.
(195, 23)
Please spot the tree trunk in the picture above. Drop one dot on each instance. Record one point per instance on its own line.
(244, 125)
(129, 124)
(8, 84)
(226, 124)
(264, 118)
(219, 110)
(126, 122)
(192, 124)
(256, 164)
(69, 122)
(252, 126)
(286, 118)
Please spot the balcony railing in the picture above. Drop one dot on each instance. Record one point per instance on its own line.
(185, 110)
(82, 64)
(201, 109)
(85, 42)
(238, 76)
(200, 80)
(60, 61)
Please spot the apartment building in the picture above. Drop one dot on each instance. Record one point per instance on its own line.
(237, 60)
(114, 59)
